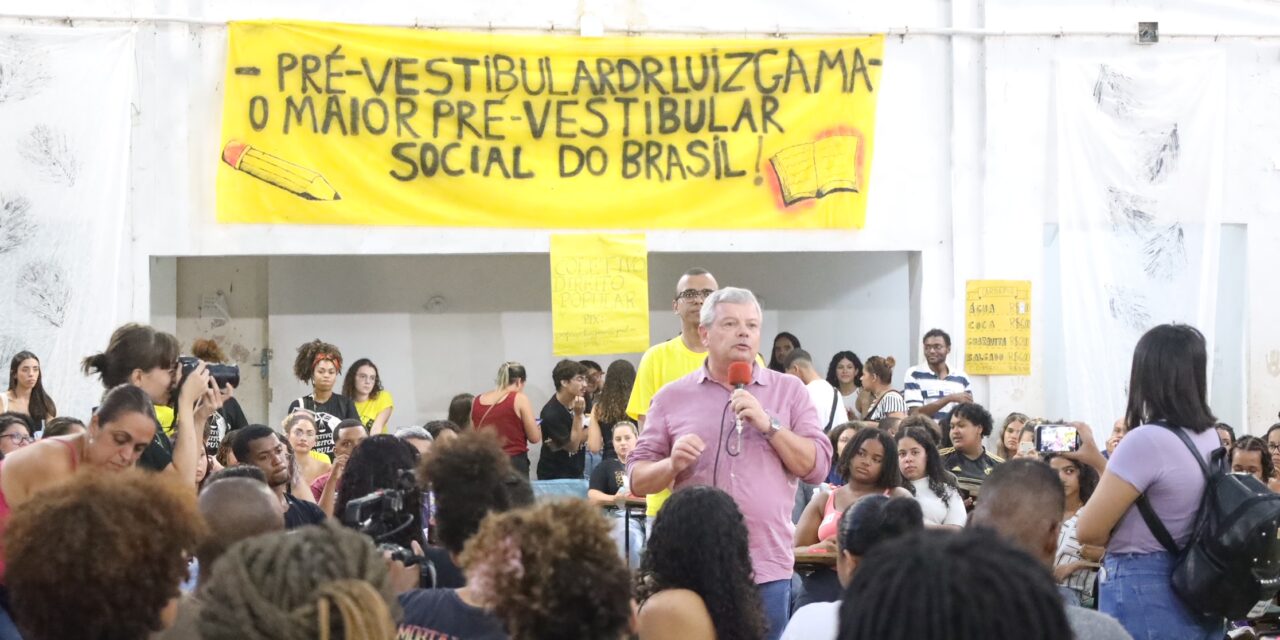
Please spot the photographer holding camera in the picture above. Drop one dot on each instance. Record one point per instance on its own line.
(148, 359)
(230, 417)
(378, 495)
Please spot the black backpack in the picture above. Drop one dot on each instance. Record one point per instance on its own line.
(1232, 561)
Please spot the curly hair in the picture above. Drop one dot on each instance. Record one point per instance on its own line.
(890, 476)
(835, 362)
(470, 477)
(207, 349)
(377, 463)
(612, 402)
(349, 382)
(311, 354)
(69, 553)
(975, 414)
(699, 543)
(284, 586)
(551, 571)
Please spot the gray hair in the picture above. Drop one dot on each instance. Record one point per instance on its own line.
(731, 295)
(413, 433)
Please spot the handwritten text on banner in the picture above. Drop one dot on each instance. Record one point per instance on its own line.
(998, 327)
(599, 294)
(342, 124)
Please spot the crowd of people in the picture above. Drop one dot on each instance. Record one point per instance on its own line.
(719, 497)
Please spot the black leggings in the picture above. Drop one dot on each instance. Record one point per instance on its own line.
(521, 464)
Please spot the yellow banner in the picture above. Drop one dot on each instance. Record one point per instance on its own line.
(340, 124)
(599, 294)
(998, 327)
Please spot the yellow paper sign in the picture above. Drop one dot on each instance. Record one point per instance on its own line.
(998, 327)
(599, 294)
(341, 124)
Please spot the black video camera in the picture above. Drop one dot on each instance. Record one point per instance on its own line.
(223, 374)
(387, 516)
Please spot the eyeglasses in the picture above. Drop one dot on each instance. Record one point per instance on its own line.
(19, 438)
(695, 294)
(1273, 447)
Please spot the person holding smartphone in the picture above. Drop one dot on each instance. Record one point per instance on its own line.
(1075, 565)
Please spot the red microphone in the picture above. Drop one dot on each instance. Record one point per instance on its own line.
(739, 374)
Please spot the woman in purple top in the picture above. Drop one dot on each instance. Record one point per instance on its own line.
(1166, 385)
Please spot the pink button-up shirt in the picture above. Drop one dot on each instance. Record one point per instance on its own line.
(753, 474)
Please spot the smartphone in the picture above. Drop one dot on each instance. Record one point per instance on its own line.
(1057, 438)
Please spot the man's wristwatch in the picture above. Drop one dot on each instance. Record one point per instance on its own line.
(774, 428)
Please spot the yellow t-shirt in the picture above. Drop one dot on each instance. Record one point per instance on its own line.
(662, 364)
(369, 409)
(165, 415)
(316, 455)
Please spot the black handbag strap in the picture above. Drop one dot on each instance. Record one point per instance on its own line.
(1144, 505)
(835, 402)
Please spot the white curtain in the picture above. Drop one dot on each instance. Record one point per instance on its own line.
(65, 99)
(1139, 195)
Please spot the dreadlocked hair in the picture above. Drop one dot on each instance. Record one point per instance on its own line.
(323, 581)
(699, 543)
(965, 586)
(311, 354)
(550, 571)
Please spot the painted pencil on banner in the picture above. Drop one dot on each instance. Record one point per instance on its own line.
(278, 172)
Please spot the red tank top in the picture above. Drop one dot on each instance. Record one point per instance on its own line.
(4, 502)
(501, 418)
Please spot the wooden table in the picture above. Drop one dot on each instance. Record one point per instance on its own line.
(811, 560)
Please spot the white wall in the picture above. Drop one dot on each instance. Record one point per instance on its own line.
(497, 308)
(962, 173)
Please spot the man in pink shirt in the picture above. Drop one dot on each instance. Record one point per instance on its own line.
(691, 437)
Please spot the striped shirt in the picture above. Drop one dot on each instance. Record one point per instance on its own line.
(891, 402)
(923, 387)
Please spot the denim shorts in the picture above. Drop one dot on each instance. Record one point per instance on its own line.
(1135, 589)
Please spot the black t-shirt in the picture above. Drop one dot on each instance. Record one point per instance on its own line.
(328, 414)
(608, 476)
(556, 462)
(441, 615)
(606, 437)
(159, 454)
(448, 575)
(227, 419)
(301, 513)
(963, 467)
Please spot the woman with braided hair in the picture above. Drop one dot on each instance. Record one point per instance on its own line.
(970, 585)
(318, 364)
(324, 582)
